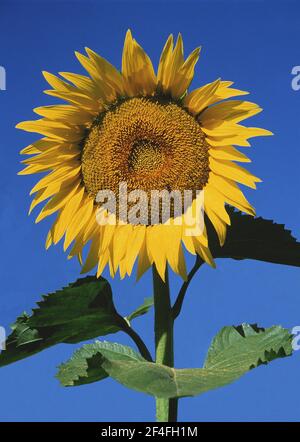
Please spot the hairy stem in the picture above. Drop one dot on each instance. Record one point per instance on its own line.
(136, 339)
(166, 409)
(180, 298)
(138, 342)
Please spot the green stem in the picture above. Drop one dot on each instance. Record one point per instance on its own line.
(180, 298)
(166, 409)
(137, 340)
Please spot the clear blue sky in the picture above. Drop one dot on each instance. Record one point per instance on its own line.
(254, 43)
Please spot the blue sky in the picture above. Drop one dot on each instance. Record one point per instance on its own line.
(253, 43)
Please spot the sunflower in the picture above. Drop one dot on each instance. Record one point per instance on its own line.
(145, 129)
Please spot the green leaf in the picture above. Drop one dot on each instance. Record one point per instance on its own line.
(247, 346)
(85, 366)
(81, 311)
(255, 238)
(141, 310)
(233, 352)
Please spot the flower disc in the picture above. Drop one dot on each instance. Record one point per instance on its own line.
(143, 142)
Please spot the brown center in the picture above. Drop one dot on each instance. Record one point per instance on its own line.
(148, 144)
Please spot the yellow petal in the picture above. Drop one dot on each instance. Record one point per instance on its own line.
(104, 89)
(226, 129)
(53, 129)
(144, 261)
(204, 252)
(48, 242)
(238, 140)
(83, 84)
(120, 240)
(215, 201)
(88, 66)
(219, 225)
(59, 149)
(103, 260)
(137, 68)
(232, 110)
(65, 113)
(164, 64)
(44, 194)
(192, 220)
(135, 243)
(184, 75)
(172, 238)
(91, 227)
(215, 210)
(66, 215)
(122, 268)
(228, 153)
(233, 171)
(225, 91)
(189, 244)
(156, 247)
(225, 132)
(56, 202)
(57, 83)
(77, 249)
(108, 233)
(107, 72)
(200, 98)
(51, 160)
(93, 255)
(39, 146)
(176, 62)
(79, 99)
(232, 194)
(80, 219)
(35, 168)
(215, 91)
(62, 175)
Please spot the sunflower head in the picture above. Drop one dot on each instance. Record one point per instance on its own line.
(149, 131)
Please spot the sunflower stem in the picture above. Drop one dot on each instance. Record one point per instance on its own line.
(182, 292)
(137, 340)
(166, 409)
